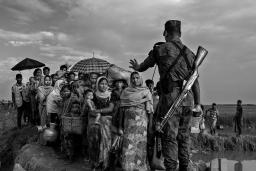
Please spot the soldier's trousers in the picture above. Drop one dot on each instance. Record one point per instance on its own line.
(175, 140)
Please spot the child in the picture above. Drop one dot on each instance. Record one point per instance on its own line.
(91, 105)
(75, 109)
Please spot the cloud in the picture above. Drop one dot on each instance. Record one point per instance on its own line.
(24, 43)
(28, 6)
(37, 38)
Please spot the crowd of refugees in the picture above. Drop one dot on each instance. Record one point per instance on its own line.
(106, 110)
(121, 108)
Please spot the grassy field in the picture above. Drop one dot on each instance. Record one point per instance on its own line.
(227, 113)
(7, 118)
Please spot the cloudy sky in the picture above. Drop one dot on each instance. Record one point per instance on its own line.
(65, 31)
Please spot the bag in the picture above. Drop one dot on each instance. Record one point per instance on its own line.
(157, 162)
(202, 125)
(115, 153)
(116, 146)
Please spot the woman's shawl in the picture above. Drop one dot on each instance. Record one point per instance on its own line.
(133, 96)
(43, 92)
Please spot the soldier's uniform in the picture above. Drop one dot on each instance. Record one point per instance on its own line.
(175, 137)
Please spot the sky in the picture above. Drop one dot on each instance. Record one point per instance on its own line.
(56, 32)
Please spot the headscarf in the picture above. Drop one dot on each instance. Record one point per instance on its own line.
(135, 95)
(100, 94)
(57, 87)
(53, 98)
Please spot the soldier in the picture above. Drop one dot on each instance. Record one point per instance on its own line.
(175, 64)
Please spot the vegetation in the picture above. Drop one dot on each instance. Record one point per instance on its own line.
(227, 113)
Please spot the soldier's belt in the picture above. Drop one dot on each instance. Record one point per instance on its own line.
(167, 85)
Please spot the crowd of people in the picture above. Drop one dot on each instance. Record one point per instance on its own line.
(107, 111)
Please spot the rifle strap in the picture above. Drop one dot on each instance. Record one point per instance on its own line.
(182, 50)
(182, 53)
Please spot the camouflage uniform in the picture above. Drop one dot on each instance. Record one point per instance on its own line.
(175, 137)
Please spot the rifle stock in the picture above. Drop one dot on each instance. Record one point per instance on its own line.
(200, 56)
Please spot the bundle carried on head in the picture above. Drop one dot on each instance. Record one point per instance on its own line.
(115, 73)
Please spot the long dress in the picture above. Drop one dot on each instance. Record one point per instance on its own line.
(43, 92)
(99, 136)
(134, 152)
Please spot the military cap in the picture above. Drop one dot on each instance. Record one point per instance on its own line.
(173, 26)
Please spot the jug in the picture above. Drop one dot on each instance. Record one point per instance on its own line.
(50, 134)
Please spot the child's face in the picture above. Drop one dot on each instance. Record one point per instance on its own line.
(47, 81)
(66, 93)
(19, 80)
(89, 95)
(119, 84)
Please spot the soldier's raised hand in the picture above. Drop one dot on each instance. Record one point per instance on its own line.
(134, 64)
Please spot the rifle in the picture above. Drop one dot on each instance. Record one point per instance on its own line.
(201, 54)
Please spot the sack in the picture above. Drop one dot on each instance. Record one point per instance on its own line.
(157, 162)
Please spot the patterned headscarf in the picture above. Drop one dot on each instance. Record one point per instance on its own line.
(135, 95)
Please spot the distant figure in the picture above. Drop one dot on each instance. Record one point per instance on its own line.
(213, 116)
(202, 121)
(238, 118)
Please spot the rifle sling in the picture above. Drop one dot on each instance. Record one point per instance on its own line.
(182, 53)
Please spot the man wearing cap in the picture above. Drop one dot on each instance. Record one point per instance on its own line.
(175, 64)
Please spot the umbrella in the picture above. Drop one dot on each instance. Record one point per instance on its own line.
(27, 64)
(91, 65)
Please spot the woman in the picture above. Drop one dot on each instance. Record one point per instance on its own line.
(70, 142)
(54, 101)
(99, 135)
(137, 108)
(43, 92)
